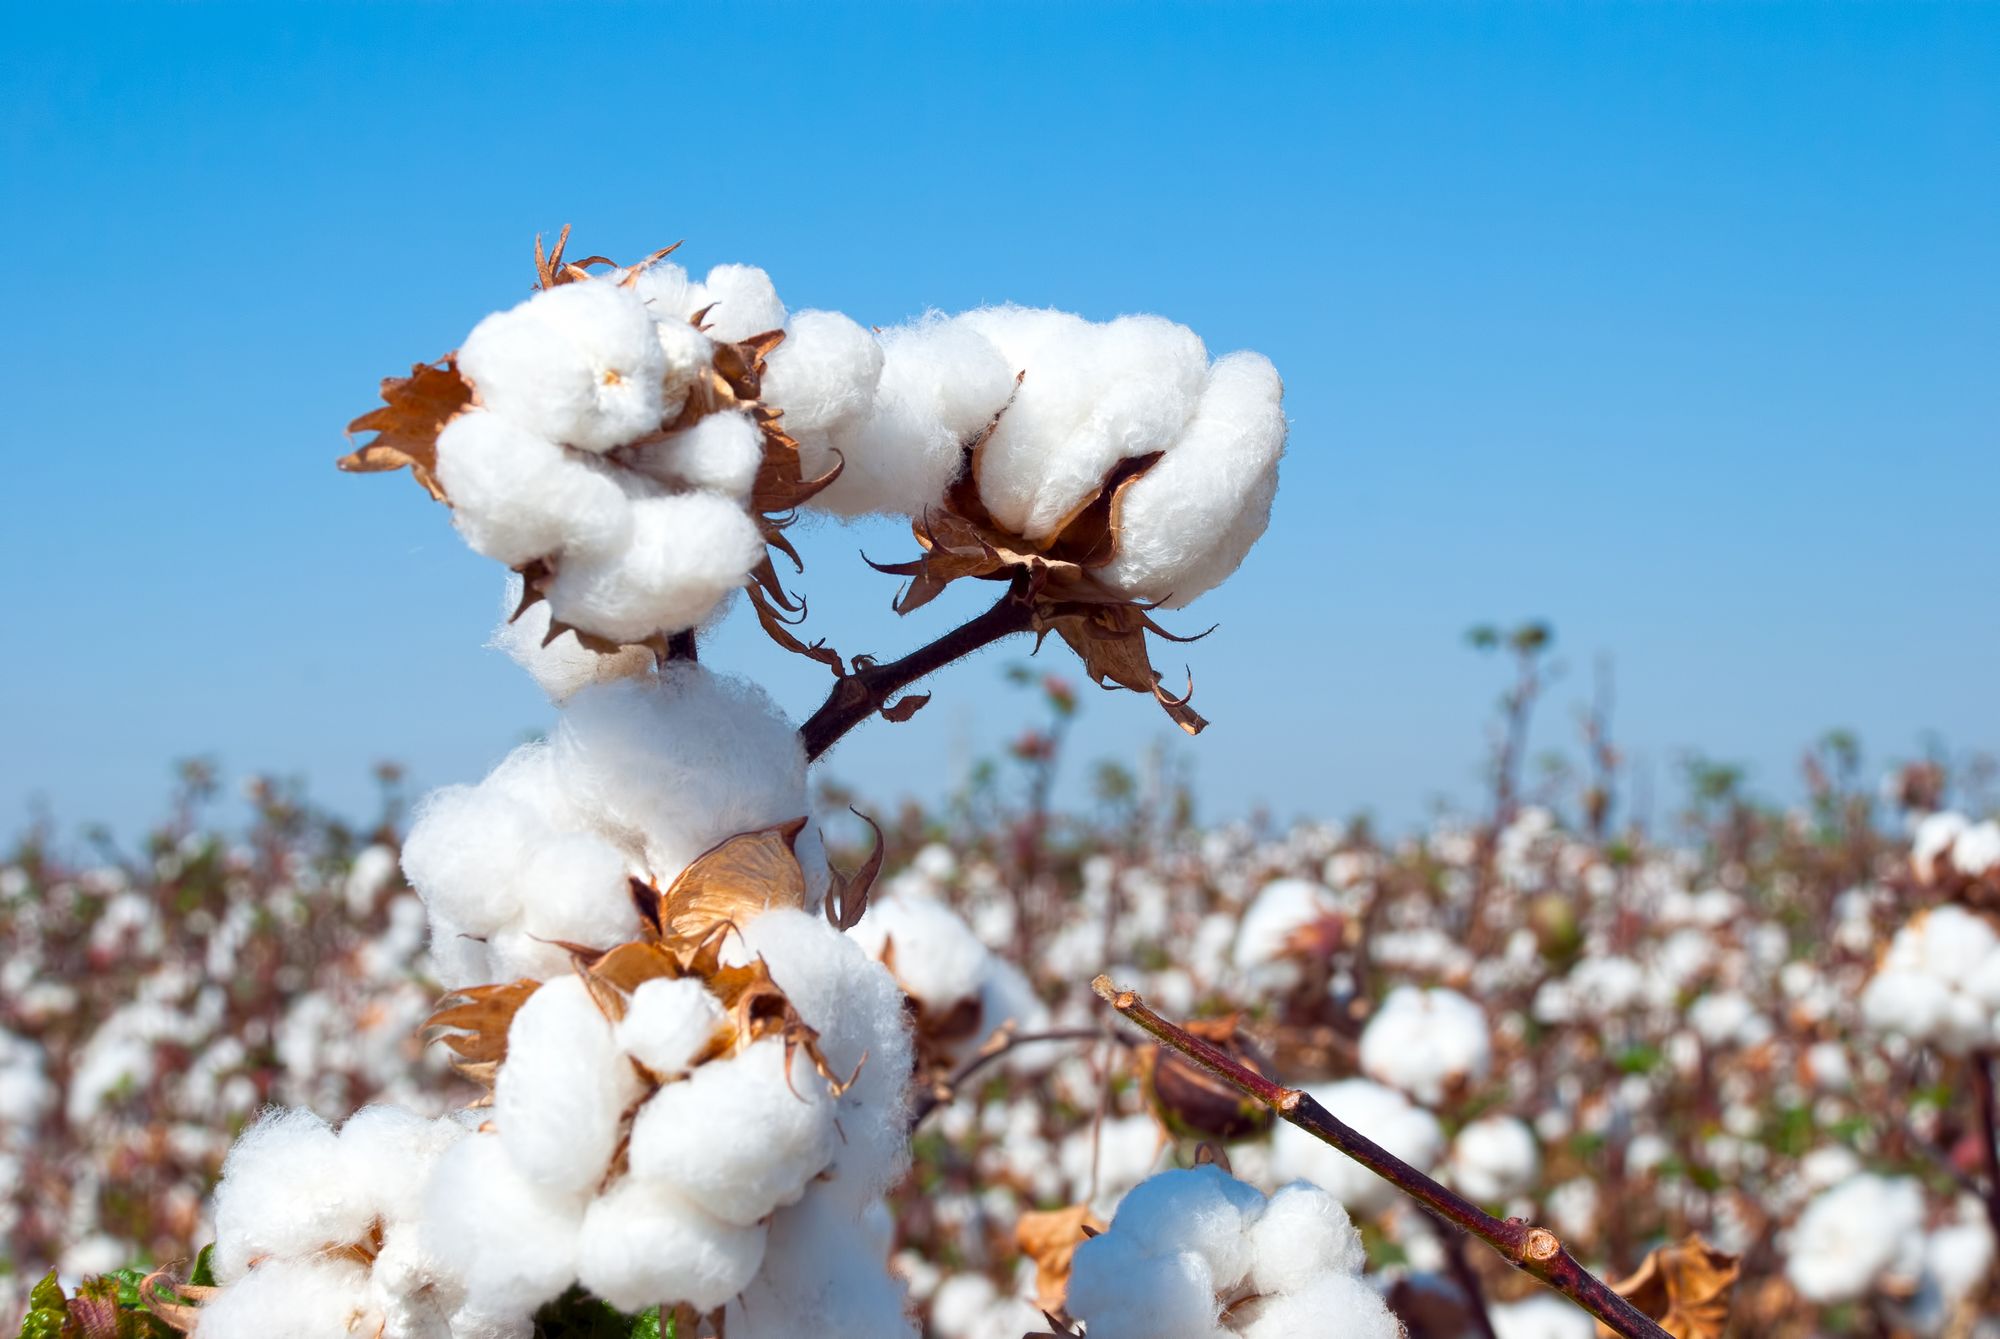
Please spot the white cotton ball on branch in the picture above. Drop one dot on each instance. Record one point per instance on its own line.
(562, 1089)
(643, 1245)
(387, 1154)
(511, 1242)
(285, 1191)
(1093, 395)
(1187, 523)
(577, 890)
(465, 853)
(687, 354)
(686, 553)
(563, 665)
(516, 497)
(1494, 1159)
(1426, 1041)
(1853, 1235)
(1977, 849)
(1339, 1304)
(1120, 1292)
(741, 1136)
(741, 302)
(824, 375)
(1202, 1209)
(665, 291)
(579, 364)
(720, 453)
(668, 1022)
(1302, 1233)
(321, 1298)
(825, 1274)
(1381, 1113)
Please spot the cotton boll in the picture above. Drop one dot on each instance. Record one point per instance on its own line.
(562, 1089)
(1094, 395)
(578, 890)
(826, 1275)
(579, 364)
(685, 554)
(933, 953)
(643, 1245)
(388, 1152)
(409, 1288)
(720, 453)
(285, 1190)
(1280, 910)
(516, 497)
(1302, 1233)
(1494, 1159)
(1203, 1210)
(823, 377)
(1332, 1304)
(457, 958)
(1425, 1041)
(687, 354)
(1188, 522)
(322, 1298)
(1851, 1236)
(1977, 849)
(511, 1242)
(465, 853)
(563, 665)
(1120, 1292)
(740, 1137)
(1932, 838)
(1381, 1113)
(742, 302)
(668, 1022)
(665, 291)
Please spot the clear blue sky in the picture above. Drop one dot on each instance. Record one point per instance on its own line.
(1677, 325)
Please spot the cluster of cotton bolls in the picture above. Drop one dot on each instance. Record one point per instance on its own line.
(1196, 1254)
(898, 406)
(1868, 1234)
(1427, 1042)
(1939, 982)
(1947, 843)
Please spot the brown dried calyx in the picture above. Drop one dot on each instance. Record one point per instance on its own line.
(685, 928)
(1050, 1237)
(1106, 628)
(415, 409)
(1686, 1287)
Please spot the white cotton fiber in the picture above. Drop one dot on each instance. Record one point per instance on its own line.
(665, 291)
(1339, 1304)
(1203, 1210)
(643, 1245)
(576, 889)
(292, 1299)
(511, 1242)
(736, 1136)
(823, 376)
(516, 497)
(1187, 523)
(565, 664)
(465, 854)
(678, 764)
(1939, 982)
(741, 300)
(685, 554)
(1381, 1113)
(1281, 909)
(1426, 1041)
(1302, 1234)
(562, 1089)
(1494, 1159)
(668, 1022)
(687, 355)
(285, 1191)
(387, 1154)
(1119, 1292)
(579, 364)
(1933, 837)
(931, 950)
(1094, 395)
(1855, 1234)
(408, 1287)
(720, 453)
(1977, 849)
(825, 1274)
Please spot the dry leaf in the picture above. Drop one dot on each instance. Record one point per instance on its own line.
(1050, 1237)
(1685, 1287)
(474, 1023)
(735, 880)
(414, 410)
(847, 894)
(904, 707)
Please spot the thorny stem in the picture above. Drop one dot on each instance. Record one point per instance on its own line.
(861, 694)
(1989, 1129)
(1534, 1250)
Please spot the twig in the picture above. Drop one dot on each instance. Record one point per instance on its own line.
(946, 1091)
(1535, 1250)
(861, 694)
(1468, 1283)
(1989, 1129)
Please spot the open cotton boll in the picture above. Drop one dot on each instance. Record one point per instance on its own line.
(741, 1136)
(686, 553)
(1094, 395)
(320, 1298)
(1302, 1233)
(668, 1022)
(577, 890)
(665, 291)
(408, 1289)
(1426, 1041)
(579, 364)
(1977, 849)
(741, 302)
(825, 1274)
(1381, 1113)
(511, 1242)
(680, 763)
(1540, 1317)
(563, 665)
(1494, 1159)
(932, 952)
(516, 497)
(823, 376)
(285, 1191)
(1932, 837)
(1120, 1292)
(465, 854)
(642, 1245)
(687, 354)
(1339, 1304)
(1280, 910)
(720, 453)
(562, 1089)
(1188, 522)
(387, 1153)
(1202, 1209)
(1851, 1237)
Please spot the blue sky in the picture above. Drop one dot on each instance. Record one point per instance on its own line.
(1676, 325)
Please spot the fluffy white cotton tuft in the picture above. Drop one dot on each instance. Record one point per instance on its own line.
(1540, 1317)
(511, 1242)
(1381, 1113)
(1303, 1233)
(516, 497)
(720, 453)
(387, 1154)
(1494, 1159)
(685, 553)
(1977, 849)
(668, 1022)
(321, 1298)
(1861, 1232)
(1939, 982)
(465, 854)
(741, 302)
(1121, 1292)
(1203, 1210)
(579, 364)
(285, 1191)
(824, 377)
(1426, 1041)
(642, 1245)
(1331, 1304)
(825, 1274)
(562, 1089)
(562, 665)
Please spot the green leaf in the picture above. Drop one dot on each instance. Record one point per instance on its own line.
(48, 1311)
(203, 1275)
(646, 1325)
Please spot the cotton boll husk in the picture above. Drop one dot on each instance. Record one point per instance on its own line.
(1339, 1304)
(668, 1022)
(1302, 1233)
(511, 1242)
(563, 665)
(825, 1274)
(562, 1088)
(642, 1244)
(742, 302)
(516, 497)
(680, 763)
(388, 1152)
(465, 854)
(737, 1136)
(285, 1190)
(321, 1298)
(685, 554)
(1188, 522)
(1381, 1113)
(1494, 1159)
(579, 364)
(720, 453)
(864, 1032)
(1094, 395)
(578, 891)
(1202, 1209)
(1120, 1292)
